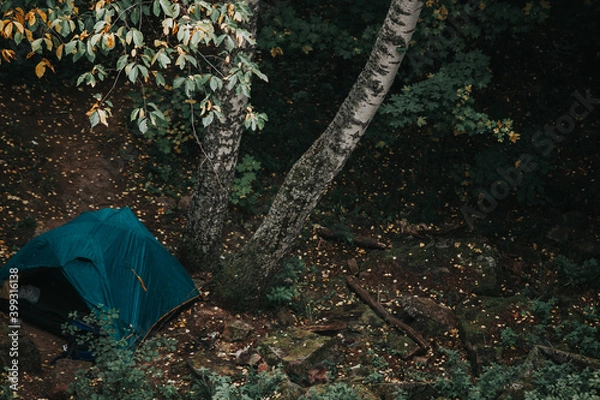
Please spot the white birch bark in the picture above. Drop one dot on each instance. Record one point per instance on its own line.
(243, 278)
(200, 247)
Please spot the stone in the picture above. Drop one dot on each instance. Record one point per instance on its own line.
(475, 318)
(434, 318)
(236, 331)
(402, 345)
(184, 203)
(487, 283)
(26, 352)
(297, 350)
(206, 359)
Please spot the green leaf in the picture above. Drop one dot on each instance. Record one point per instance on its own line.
(180, 61)
(215, 83)
(94, 118)
(206, 121)
(121, 62)
(36, 45)
(138, 38)
(177, 82)
(70, 47)
(167, 8)
(156, 8)
(160, 79)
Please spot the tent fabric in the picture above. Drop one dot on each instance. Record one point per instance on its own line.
(113, 262)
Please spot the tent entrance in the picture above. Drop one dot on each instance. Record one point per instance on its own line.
(57, 299)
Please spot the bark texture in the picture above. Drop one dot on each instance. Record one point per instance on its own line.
(200, 247)
(242, 280)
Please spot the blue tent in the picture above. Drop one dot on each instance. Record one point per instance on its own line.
(102, 259)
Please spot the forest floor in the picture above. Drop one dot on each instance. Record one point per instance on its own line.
(53, 167)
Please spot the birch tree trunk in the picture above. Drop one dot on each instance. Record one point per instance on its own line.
(200, 247)
(241, 282)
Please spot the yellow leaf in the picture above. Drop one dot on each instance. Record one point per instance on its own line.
(48, 64)
(19, 26)
(8, 30)
(110, 40)
(31, 17)
(99, 5)
(8, 55)
(276, 51)
(42, 14)
(29, 35)
(59, 51)
(40, 69)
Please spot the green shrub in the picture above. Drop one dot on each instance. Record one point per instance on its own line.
(586, 275)
(284, 287)
(563, 382)
(216, 387)
(337, 391)
(118, 373)
(581, 337)
(242, 191)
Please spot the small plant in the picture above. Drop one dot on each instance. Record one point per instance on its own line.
(6, 391)
(118, 371)
(337, 391)
(256, 386)
(543, 309)
(284, 285)
(378, 364)
(242, 190)
(509, 337)
(564, 382)
(585, 275)
(458, 383)
(580, 337)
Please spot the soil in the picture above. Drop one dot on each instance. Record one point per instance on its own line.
(53, 167)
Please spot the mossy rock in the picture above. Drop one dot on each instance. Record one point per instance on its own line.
(471, 260)
(477, 320)
(297, 350)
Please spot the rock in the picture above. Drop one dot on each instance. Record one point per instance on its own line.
(569, 224)
(476, 317)
(297, 350)
(434, 318)
(236, 331)
(470, 263)
(207, 359)
(167, 204)
(369, 318)
(290, 390)
(184, 203)
(487, 283)
(22, 349)
(285, 317)
(402, 345)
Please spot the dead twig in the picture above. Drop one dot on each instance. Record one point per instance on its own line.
(341, 236)
(379, 310)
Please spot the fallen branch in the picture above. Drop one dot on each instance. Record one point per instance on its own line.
(343, 236)
(323, 328)
(562, 357)
(379, 310)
